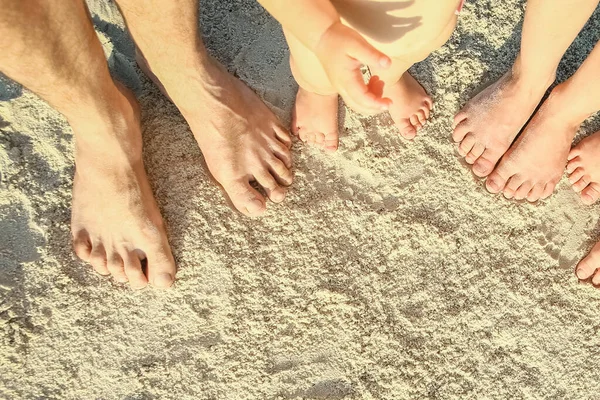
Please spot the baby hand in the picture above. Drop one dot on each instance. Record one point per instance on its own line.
(342, 51)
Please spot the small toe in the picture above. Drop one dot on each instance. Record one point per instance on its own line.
(244, 197)
(588, 265)
(548, 190)
(573, 164)
(283, 135)
(590, 194)
(281, 152)
(466, 144)
(575, 152)
(414, 120)
(475, 153)
(319, 138)
(460, 131)
(512, 185)
(458, 118)
(82, 245)
(331, 142)
(428, 102)
(581, 183)
(576, 175)
(421, 117)
(535, 193)
(426, 110)
(596, 279)
(523, 190)
(98, 259)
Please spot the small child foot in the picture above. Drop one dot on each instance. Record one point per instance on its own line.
(411, 105)
(584, 169)
(315, 119)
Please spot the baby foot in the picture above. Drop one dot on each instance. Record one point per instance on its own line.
(315, 119)
(411, 105)
(584, 169)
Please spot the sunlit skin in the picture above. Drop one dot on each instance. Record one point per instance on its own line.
(327, 53)
(116, 224)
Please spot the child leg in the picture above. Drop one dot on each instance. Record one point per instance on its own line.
(430, 25)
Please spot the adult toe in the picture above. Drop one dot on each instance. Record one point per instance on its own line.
(484, 165)
(581, 183)
(548, 190)
(588, 265)
(523, 190)
(535, 193)
(460, 131)
(496, 181)
(133, 269)
(459, 118)
(512, 184)
(274, 192)
(573, 164)
(475, 153)
(283, 135)
(82, 245)
(161, 265)
(590, 194)
(281, 152)
(115, 266)
(576, 175)
(244, 197)
(466, 144)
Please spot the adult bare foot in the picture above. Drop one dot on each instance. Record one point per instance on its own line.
(411, 105)
(487, 125)
(241, 139)
(589, 265)
(315, 119)
(115, 220)
(534, 164)
(584, 168)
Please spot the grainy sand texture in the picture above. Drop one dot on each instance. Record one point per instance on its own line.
(388, 273)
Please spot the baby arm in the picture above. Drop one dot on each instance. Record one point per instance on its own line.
(340, 49)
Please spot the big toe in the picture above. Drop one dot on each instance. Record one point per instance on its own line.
(590, 194)
(406, 128)
(495, 183)
(161, 266)
(483, 166)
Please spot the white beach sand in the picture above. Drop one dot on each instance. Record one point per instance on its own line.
(388, 273)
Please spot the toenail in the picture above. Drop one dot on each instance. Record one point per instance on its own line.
(254, 206)
(579, 274)
(493, 185)
(331, 148)
(121, 279)
(163, 280)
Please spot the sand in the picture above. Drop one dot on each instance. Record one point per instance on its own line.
(389, 272)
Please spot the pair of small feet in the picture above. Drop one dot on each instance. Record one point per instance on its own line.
(530, 166)
(315, 117)
(116, 223)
